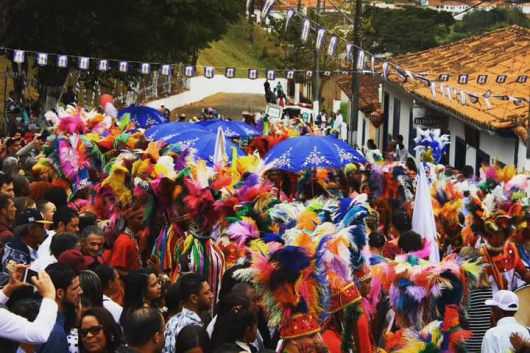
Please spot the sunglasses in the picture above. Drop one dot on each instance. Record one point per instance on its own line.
(94, 330)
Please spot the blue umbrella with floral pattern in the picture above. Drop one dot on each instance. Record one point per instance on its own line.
(305, 152)
(144, 116)
(231, 129)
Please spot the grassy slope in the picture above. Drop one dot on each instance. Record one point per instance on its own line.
(235, 50)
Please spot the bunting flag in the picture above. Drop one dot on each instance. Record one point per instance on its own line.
(501, 79)
(306, 28)
(372, 64)
(360, 60)
(424, 80)
(386, 70)
(462, 98)
(482, 79)
(145, 68)
(209, 72)
(327, 73)
(165, 70)
(433, 89)
(103, 65)
(332, 46)
(442, 89)
(486, 96)
(321, 35)
(83, 63)
(289, 17)
(189, 71)
(230, 72)
(253, 74)
(463, 79)
(42, 59)
(62, 61)
(250, 6)
(522, 79)
(123, 66)
(449, 93)
(349, 56)
(18, 56)
(289, 74)
(472, 98)
(309, 73)
(267, 8)
(271, 75)
(443, 78)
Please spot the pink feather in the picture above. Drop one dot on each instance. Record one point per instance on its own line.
(68, 159)
(242, 232)
(71, 124)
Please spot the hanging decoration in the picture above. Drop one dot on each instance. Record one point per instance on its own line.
(123, 66)
(230, 72)
(209, 72)
(19, 56)
(267, 8)
(271, 75)
(306, 29)
(83, 63)
(103, 65)
(253, 74)
(289, 74)
(42, 59)
(288, 18)
(145, 68)
(189, 71)
(165, 70)
(321, 35)
(349, 53)
(332, 46)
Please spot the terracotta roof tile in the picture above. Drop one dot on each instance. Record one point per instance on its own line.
(502, 52)
(368, 92)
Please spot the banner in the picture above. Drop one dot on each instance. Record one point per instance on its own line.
(386, 70)
(463, 79)
(145, 68)
(230, 72)
(165, 70)
(267, 8)
(290, 14)
(62, 61)
(360, 60)
(309, 74)
(103, 65)
(42, 59)
(189, 71)
(253, 74)
(18, 56)
(209, 72)
(321, 35)
(84, 63)
(270, 74)
(289, 74)
(123, 66)
(332, 46)
(306, 28)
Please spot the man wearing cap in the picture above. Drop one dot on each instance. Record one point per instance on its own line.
(504, 305)
(29, 234)
(182, 117)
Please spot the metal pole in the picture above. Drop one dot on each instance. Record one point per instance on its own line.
(316, 96)
(355, 83)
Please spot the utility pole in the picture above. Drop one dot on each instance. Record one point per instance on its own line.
(356, 78)
(316, 96)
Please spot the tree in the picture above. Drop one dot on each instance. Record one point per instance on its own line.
(401, 31)
(140, 30)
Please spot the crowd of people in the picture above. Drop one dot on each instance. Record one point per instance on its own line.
(114, 243)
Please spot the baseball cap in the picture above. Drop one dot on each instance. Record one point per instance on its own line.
(31, 216)
(505, 300)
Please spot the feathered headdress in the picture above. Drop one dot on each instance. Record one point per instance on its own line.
(432, 145)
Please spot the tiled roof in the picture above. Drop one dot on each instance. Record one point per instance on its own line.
(502, 52)
(311, 4)
(368, 92)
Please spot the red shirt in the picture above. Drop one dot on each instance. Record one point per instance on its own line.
(333, 340)
(125, 255)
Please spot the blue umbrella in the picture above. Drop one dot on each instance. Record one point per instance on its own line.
(232, 129)
(203, 144)
(305, 152)
(144, 116)
(166, 131)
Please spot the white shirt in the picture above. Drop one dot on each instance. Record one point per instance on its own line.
(114, 308)
(42, 262)
(18, 329)
(402, 154)
(497, 339)
(44, 248)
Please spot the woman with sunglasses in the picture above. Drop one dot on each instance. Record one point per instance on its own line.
(99, 333)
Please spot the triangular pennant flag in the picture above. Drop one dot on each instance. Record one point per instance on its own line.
(433, 89)
(290, 15)
(386, 70)
(267, 8)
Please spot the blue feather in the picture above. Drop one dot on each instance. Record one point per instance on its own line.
(252, 180)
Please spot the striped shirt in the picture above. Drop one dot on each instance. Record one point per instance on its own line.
(479, 317)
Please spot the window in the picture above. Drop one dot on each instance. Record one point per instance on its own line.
(397, 118)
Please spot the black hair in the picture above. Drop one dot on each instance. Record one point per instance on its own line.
(376, 240)
(193, 336)
(141, 325)
(21, 185)
(11, 141)
(111, 329)
(5, 179)
(173, 298)
(401, 221)
(233, 319)
(62, 242)
(90, 230)
(27, 308)
(4, 201)
(467, 171)
(106, 274)
(242, 288)
(135, 290)
(191, 284)
(87, 219)
(410, 241)
(229, 281)
(92, 288)
(63, 214)
(57, 196)
(62, 275)
(411, 165)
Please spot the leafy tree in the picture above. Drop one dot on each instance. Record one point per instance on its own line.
(400, 31)
(139, 30)
(478, 22)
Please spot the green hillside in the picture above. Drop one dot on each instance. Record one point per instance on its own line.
(235, 50)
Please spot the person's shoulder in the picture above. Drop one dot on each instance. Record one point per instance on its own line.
(123, 239)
